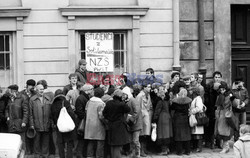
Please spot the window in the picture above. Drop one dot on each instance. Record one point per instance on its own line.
(5, 51)
(120, 51)
(6, 74)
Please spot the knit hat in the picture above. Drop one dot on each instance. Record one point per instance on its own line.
(127, 91)
(82, 62)
(118, 93)
(13, 87)
(31, 82)
(87, 87)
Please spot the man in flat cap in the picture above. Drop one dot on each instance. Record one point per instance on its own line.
(28, 92)
(17, 112)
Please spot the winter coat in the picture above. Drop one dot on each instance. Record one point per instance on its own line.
(18, 113)
(94, 128)
(197, 107)
(242, 146)
(182, 130)
(210, 98)
(163, 119)
(56, 106)
(147, 112)
(3, 104)
(221, 126)
(241, 94)
(80, 105)
(135, 121)
(67, 88)
(82, 77)
(40, 113)
(114, 112)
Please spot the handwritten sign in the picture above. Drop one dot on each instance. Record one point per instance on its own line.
(100, 51)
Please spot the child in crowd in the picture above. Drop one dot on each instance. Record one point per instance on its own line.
(242, 146)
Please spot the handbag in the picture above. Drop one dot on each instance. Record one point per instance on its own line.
(201, 117)
(231, 119)
(81, 127)
(192, 121)
(65, 122)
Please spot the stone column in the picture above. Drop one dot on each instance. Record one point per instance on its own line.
(176, 29)
(71, 44)
(136, 45)
(19, 66)
(202, 50)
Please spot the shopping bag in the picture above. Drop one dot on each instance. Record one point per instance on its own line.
(192, 120)
(202, 119)
(81, 127)
(65, 122)
(153, 134)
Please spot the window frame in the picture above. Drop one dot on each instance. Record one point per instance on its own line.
(125, 50)
(10, 50)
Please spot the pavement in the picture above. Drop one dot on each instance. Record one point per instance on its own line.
(206, 153)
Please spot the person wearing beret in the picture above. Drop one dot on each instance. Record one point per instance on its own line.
(17, 112)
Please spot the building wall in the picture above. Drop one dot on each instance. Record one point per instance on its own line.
(46, 53)
(189, 36)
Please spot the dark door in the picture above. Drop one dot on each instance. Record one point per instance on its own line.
(240, 29)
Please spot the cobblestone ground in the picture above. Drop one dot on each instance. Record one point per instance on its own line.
(206, 153)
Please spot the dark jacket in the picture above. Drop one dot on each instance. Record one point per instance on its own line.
(182, 130)
(82, 77)
(56, 106)
(80, 105)
(40, 113)
(241, 94)
(66, 89)
(114, 112)
(3, 104)
(18, 113)
(210, 98)
(163, 120)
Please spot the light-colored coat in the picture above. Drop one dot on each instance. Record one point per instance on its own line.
(94, 128)
(242, 146)
(196, 107)
(147, 112)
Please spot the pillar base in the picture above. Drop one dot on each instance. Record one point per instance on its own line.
(177, 68)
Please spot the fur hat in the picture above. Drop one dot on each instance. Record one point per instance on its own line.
(118, 93)
(98, 92)
(86, 87)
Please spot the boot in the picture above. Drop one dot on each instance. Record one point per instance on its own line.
(143, 148)
(199, 145)
(226, 148)
(164, 150)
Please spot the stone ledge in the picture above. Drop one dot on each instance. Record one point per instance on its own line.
(14, 12)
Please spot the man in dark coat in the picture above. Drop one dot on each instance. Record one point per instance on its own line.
(63, 138)
(211, 93)
(86, 92)
(17, 113)
(83, 76)
(72, 84)
(114, 112)
(28, 92)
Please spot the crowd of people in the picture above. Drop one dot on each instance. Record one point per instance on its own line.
(118, 117)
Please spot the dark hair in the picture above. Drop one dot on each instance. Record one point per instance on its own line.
(217, 73)
(30, 82)
(106, 76)
(151, 70)
(196, 91)
(177, 86)
(174, 73)
(145, 83)
(44, 83)
(58, 92)
(195, 75)
(98, 92)
(72, 75)
(79, 85)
